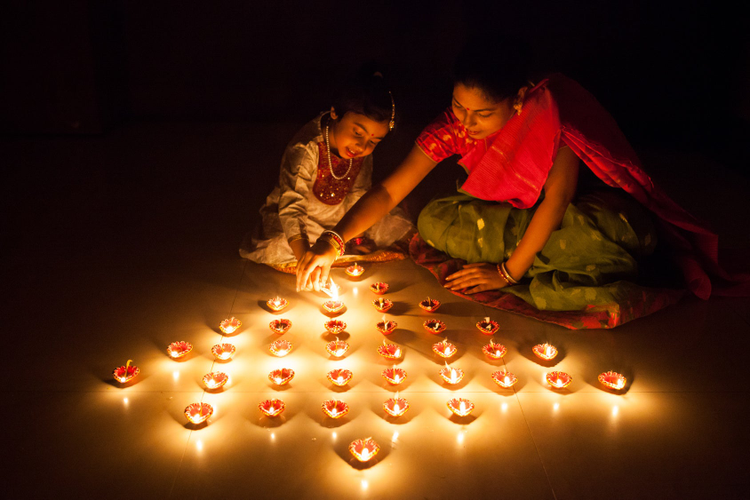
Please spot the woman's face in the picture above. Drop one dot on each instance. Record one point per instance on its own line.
(479, 115)
(356, 135)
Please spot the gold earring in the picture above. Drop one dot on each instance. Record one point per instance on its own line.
(518, 106)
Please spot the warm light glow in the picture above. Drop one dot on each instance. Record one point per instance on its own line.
(355, 271)
(223, 352)
(451, 375)
(126, 373)
(335, 408)
(277, 303)
(487, 326)
(339, 377)
(280, 347)
(504, 378)
(214, 380)
(197, 413)
(461, 407)
(389, 351)
(176, 375)
(337, 348)
(545, 351)
(504, 407)
(394, 376)
(280, 325)
(125, 400)
(364, 449)
(272, 407)
(615, 411)
(281, 376)
(199, 445)
(334, 326)
(444, 349)
(613, 380)
(230, 325)
(558, 380)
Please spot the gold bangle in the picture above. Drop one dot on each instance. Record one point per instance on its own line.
(507, 274)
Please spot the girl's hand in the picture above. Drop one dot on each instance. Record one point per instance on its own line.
(475, 278)
(313, 268)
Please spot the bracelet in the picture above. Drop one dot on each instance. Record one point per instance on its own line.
(333, 239)
(505, 275)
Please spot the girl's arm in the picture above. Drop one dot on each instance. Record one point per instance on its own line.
(314, 267)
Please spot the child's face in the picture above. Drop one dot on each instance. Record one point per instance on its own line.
(356, 135)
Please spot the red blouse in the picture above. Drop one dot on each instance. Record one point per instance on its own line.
(326, 188)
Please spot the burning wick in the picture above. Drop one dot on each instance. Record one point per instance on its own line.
(230, 325)
(355, 271)
(494, 351)
(394, 376)
(334, 305)
(277, 304)
(223, 352)
(558, 380)
(504, 379)
(280, 348)
(396, 406)
(451, 375)
(197, 413)
(126, 373)
(389, 351)
(460, 406)
(613, 380)
(545, 351)
(364, 449)
(180, 349)
(272, 407)
(444, 349)
(337, 348)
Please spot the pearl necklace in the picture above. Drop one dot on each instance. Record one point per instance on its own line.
(330, 165)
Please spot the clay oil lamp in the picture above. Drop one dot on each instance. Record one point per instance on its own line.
(335, 326)
(494, 351)
(223, 352)
(389, 351)
(487, 326)
(545, 351)
(280, 325)
(444, 349)
(382, 305)
(281, 376)
(339, 377)
(355, 271)
(396, 407)
(272, 407)
(434, 326)
(337, 348)
(451, 375)
(394, 375)
(379, 288)
(215, 380)
(504, 379)
(280, 348)
(126, 373)
(386, 327)
(335, 408)
(230, 325)
(364, 449)
(613, 380)
(334, 305)
(460, 406)
(430, 305)
(277, 304)
(197, 413)
(558, 380)
(177, 350)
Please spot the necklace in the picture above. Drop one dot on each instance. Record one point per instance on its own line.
(328, 149)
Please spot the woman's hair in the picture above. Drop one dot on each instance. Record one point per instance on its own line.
(496, 66)
(366, 93)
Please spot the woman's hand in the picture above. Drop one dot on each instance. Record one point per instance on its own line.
(475, 278)
(313, 268)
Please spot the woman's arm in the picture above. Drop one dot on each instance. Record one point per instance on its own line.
(314, 267)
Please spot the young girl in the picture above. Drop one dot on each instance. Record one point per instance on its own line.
(325, 169)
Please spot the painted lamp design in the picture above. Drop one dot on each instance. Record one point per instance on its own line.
(223, 352)
(177, 350)
(197, 413)
(272, 407)
(230, 325)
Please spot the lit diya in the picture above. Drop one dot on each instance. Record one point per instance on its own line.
(272, 407)
(430, 305)
(339, 377)
(613, 380)
(380, 288)
(355, 271)
(230, 325)
(335, 408)
(337, 348)
(198, 412)
(434, 326)
(215, 380)
(281, 376)
(382, 305)
(280, 325)
(223, 352)
(545, 351)
(364, 449)
(280, 347)
(396, 407)
(460, 406)
(394, 375)
(444, 349)
(451, 375)
(487, 326)
(558, 380)
(177, 350)
(386, 327)
(494, 351)
(504, 379)
(334, 305)
(335, 326)
(126, 373)
(277, 304)
(389, 351)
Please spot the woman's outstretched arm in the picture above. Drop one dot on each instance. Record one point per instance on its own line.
(313, 268)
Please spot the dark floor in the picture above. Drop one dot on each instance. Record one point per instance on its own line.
(117, 245)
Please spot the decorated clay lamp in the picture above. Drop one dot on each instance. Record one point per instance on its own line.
(558, 380)
(335, 326)
(215, 380)
(272, 407)
(396, 407)
(334, 305)
(280, 325)
(386, 327)
(335, 408)
(430, 305)
(197, 413)
(545, 351)
(355, 271)
(379, 288)
(281, 376)
(339, 377)
(280, 348)
(451, 375)
(444, 349)
(487, 326)
(494, 351)
(126, 373)
(434, 326)
(223, 352)
(230, 325)
(613, 380)
(389, 351)
(364, 449)
(337, 348)
(277, 304)
(460, 406)
(177, 350)
(382, 305)
(504, 379)
(394, 375)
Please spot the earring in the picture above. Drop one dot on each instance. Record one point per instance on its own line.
(518, 106)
